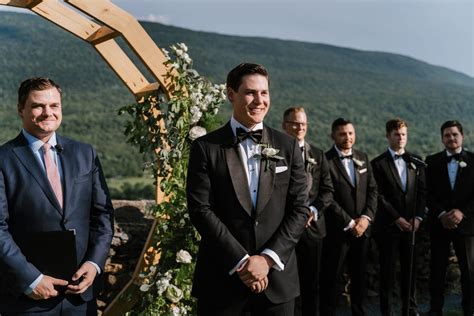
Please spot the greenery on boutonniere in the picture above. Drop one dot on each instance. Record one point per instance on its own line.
(268, 154)
(358, 163)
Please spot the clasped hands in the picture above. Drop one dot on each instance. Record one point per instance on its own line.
(254, 272)
(45, 289)
(405, 226)
(361, 225)
(451, 219)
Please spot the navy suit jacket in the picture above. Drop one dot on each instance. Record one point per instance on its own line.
(28, 205)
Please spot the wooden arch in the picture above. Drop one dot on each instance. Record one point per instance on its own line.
(99, 22)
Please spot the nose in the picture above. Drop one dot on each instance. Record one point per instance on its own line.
(258, 98)
(47, 111)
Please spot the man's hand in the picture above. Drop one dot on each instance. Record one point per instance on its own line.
(416, 224)
(451, 219)
(360, 226)
(259, 286)
(88, 272)
(45, 289)
(310, 219)
(256, 268)
(403, 224)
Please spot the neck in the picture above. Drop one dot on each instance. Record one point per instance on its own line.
(455, 151)
(398, 151)
(344, 150)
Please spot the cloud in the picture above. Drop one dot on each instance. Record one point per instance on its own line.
(158, 18)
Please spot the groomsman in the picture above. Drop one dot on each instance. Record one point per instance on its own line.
(320, 189)
(246, 192)
(450, 178)
(348, 219)
(401, 196)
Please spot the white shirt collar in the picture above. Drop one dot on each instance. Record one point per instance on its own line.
(341, 154)
(301, 143)
(458, 151)
(234, 124)
(393, 153)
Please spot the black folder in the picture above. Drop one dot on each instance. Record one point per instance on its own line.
(52, 253)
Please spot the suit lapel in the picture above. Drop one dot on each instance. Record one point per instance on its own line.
(459, 173)
(393, 169)
(26, 157)
(237, 171)
(356, 168)
(337, 161)
(266, 177)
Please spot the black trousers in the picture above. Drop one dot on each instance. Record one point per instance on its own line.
(72, 306)
(395, 247)
(336, 250)
(255, 305)
(308, 254)
(464, 248)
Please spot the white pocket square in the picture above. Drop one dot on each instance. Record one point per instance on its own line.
(361, 171)
(281, 169)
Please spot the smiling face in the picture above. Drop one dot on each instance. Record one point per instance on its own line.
(397, 139)
(452, 139)
(41, 114)
(296, 125)
(344, 137)
(251, 101)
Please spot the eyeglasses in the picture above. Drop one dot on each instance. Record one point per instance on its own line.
(296, 123)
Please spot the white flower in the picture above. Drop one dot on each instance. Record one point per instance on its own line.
(186, 58)
(462, 164)
(413, 166)
(145, 287)
(359, 163)
(166, 53)
(183, 46)
(174, 294)
(311, 160)
(162, 285)
(196, 114)
(175, 311)
(269, 152)
(183, 256)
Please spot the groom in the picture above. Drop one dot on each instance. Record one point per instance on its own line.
(246, 197)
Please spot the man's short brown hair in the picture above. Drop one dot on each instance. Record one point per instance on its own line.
(395, 124)
(34, 84)
(234, 78)
(293, 109)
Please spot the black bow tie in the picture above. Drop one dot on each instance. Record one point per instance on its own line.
(302, 149)
(242, 135)
(397, 156)
(346, 157)
(456, 157)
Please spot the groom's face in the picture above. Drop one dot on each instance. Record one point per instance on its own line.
(251, 101)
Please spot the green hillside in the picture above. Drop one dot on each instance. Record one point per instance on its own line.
(366, 87)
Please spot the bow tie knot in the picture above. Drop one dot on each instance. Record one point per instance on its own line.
(242, 135)
(346, 157)
(456, 157)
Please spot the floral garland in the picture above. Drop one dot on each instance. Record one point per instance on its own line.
(194, 103)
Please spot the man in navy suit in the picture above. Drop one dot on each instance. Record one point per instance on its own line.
(247, 198)
(49, 183)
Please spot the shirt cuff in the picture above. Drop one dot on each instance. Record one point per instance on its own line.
(441, 214)
(33, 285)
(239, 264)
(368, 218)
(419, 218)
(95, 266)
(351, 224)
(279, 266)
(315, 212)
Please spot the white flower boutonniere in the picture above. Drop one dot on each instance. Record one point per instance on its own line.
(412, 166)
(268, 153)
(311, 161)
(462, 164)
(358, 163)
(196, 132)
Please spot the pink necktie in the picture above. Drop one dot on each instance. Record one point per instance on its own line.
(53, 174)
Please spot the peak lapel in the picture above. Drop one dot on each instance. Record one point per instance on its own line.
(237, 171)
(342, 170)
(26, 157)
(393, 169)
(266, 177)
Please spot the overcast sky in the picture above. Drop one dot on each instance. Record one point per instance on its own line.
(440, 32)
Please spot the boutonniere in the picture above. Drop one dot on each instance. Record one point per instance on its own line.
(358, 163)
(268, 153)
(412, 166)
(310, 163)
(462, 164)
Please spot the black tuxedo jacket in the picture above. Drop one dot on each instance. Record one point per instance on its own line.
(320, 187)
(442, 198)
(393, 202)
(220, 208)
(28, 205)
(350, 201)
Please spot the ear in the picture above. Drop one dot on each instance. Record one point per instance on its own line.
(230, 94)
(20, 110)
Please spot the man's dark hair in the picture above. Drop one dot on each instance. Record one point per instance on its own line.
(452, 123)
(34, 84)
(339, 122)
(293, 109)
(395, 124)
(234, 78)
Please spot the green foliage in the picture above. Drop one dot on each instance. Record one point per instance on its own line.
(366, 87)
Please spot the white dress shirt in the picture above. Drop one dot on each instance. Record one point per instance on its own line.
(248, 149)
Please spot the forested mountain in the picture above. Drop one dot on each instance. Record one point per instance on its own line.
(365, 87)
